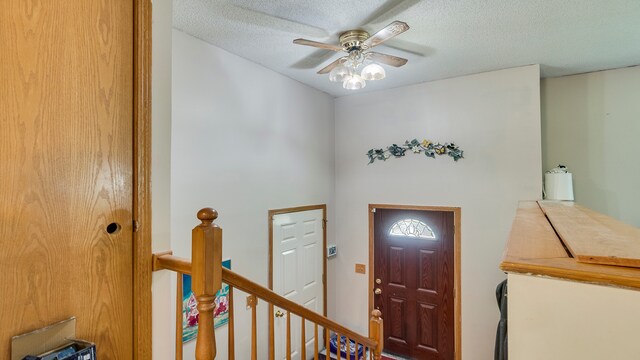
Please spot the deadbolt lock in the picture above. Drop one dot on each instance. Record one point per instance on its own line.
(378, 281)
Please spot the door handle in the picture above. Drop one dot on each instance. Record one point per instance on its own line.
(377, 291)
(279, 313)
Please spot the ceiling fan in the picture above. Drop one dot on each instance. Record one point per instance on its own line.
(357, 45)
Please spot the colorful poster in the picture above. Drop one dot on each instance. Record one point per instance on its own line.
(190, 311)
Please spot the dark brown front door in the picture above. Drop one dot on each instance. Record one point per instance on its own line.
(414, 277)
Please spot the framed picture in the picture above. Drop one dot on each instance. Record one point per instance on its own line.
(189, 306)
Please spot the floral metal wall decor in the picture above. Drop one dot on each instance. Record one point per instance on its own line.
(430, 149)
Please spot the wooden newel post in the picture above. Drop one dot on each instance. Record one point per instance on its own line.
(376, 328)
(206, 271)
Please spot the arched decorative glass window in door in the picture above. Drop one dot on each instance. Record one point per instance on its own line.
(413, 228)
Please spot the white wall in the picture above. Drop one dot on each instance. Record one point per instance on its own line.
(495, 118)
(163, 282)
(244, 140)
(591, 123)
(558, 319)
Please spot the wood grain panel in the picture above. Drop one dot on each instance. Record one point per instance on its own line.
(569, 268)
(427, 292)
(593, 237)
(532, 236)
(396, 265)
(377, 267)
(528, 251)
(396, 317)
(428, 329)
(427, 270)
(142, 180)
(446, 318)
(66, 162)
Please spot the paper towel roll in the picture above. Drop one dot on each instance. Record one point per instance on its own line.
(558, 186)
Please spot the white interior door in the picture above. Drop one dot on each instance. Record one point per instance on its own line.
(297, 275)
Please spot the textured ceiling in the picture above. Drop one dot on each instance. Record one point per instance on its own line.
(447, 38)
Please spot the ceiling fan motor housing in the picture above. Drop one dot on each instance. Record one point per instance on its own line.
(352, 40)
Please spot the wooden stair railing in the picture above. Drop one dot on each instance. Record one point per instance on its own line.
(207, 277)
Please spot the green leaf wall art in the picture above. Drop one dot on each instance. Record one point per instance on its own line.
(428, 148)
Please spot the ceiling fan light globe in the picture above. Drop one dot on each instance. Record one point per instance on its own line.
(354, 82)
(339, 73)
(373, 72)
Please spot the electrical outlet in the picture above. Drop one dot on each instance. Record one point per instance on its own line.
(361, 268)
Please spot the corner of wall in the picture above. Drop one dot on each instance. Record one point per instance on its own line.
(163, 283)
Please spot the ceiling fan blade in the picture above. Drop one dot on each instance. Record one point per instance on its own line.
(330, 67)
(317, 44)
(410, 48)
(313, 60)
(390, 10)
(387, 59)
(245, 14)
(389, 31)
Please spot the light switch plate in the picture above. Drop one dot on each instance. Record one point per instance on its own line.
(332, 250)
(361, 268)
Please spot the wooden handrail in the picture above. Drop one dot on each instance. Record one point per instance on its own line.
(166, 261)
(207, 277)
(170, 262)
(265, 294)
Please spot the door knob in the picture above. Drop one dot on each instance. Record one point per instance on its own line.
(377, 291)
(279, 313)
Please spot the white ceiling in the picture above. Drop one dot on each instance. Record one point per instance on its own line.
(447, 37)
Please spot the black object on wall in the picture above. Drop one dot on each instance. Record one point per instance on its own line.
(501, 333)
